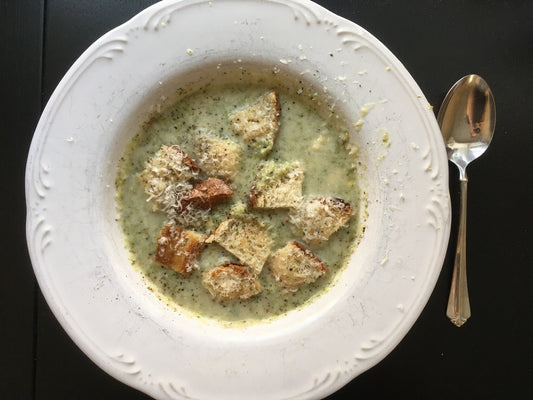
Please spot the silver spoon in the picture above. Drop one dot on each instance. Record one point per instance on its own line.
(466, 118)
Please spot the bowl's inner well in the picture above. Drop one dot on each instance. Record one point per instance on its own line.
(226, 78)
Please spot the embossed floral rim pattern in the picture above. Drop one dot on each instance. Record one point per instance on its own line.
(77, 248)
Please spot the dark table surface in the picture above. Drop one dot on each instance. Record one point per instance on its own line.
(490, 357)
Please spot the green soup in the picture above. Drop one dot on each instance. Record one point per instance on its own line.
(319, 144)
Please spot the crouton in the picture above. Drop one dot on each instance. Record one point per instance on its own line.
(206, 194)
(219, 157)
(319, 217)
(190, 206)
(259, 122)
(178, 249)
(294, 266)
(231, 282)
(246, 238)
(277, 185)
(168, 168)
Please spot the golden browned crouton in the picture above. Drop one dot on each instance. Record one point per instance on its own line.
(320, 217)
(294, 266)
(207, 194)
(169, 168)
(178, 249)
(259, 122)
(231, 282)
(277, 185)
(246, 238)
(219, 157)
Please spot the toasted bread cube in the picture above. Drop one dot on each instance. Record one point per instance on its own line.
(246, 238)
(259, 122)
(169, 167)
(190, 205)
(319, 217)
(294, 266)
(231, 282)
(277, 185)
(178, 249)
(207, 194)
(219, 157)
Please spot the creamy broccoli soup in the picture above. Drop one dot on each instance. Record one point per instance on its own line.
(245, 180)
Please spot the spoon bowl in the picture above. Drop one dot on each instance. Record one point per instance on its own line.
(467, 119)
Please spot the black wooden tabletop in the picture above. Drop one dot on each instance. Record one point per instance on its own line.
(490, 357)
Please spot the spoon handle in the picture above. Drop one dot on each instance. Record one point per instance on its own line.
(458, 303)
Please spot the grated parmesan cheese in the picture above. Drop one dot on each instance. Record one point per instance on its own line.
(319, 217)
(165, 176)
(219, 157)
